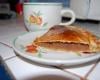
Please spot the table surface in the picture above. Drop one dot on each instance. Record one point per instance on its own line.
(21, 69)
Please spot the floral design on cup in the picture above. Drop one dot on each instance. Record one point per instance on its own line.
(36, 19)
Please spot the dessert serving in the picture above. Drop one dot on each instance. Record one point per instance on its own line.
(69, 38)
(59, 46)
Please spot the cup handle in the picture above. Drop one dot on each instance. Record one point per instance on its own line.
(73, 17)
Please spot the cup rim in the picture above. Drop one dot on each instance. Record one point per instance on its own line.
(42, 3)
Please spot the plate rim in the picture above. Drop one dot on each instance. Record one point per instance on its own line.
(48, 61)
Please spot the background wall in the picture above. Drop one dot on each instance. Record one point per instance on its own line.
(14, 2)
(65, 2)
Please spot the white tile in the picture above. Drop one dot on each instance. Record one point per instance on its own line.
(22, 70)
(6, 52)
(9, 29)
(95, 74)
(81, 71)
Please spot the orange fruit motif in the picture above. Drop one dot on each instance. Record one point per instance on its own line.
(38, 20)
(32, 19)
(35, 19)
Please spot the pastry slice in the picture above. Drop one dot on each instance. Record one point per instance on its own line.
(69, 38)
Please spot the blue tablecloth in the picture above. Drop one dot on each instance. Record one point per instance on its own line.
(3, 74)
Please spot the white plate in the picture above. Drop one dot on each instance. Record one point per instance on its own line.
(48, 57)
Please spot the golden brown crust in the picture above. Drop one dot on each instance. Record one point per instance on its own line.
(69, 34)
(98, 45)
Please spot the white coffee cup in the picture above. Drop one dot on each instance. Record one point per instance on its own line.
(40, 16)
(51, 74)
